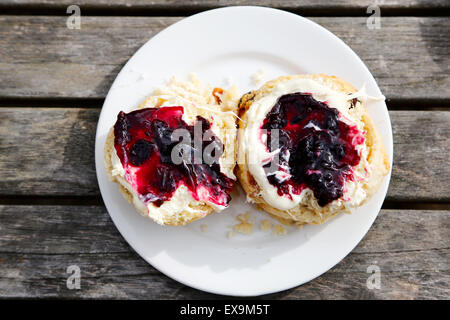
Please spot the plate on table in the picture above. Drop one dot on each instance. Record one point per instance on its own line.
(224, 46)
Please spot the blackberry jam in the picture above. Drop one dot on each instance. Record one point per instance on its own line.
(317, 149)
(144, 143)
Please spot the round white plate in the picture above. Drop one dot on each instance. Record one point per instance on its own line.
(222, 46)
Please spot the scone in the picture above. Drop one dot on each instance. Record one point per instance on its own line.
(174, 156)
(307, 150)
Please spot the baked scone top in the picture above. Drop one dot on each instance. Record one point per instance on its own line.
(269, 188)
(178, 105)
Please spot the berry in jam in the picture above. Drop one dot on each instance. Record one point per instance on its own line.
(317, 149)
(144, 145)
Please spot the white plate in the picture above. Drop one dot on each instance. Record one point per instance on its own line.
(217, 45)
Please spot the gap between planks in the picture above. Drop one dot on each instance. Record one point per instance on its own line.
(170, 11)
(98, 201)
(97, 103)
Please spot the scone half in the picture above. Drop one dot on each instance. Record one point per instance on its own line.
(328, 156)
(140, 147)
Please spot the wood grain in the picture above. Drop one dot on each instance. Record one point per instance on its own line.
(209, 4)
(47, 154)
(47, 151)
(38, 243)
(421, 142)
(50, 152)
(40, 57)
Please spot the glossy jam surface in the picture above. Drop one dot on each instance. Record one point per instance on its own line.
(317, 149)
(144, 145)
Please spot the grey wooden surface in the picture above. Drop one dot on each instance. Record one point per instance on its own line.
(53, 81)
(411, 247)
(324, 6)
(41, 57)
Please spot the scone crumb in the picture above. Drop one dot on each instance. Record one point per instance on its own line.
(244, 228)
(160, 102)
(245, 217)
(279, 230)
(266, 225)
(246, 223)
(230, 234)
(258, 76)
(204, 227)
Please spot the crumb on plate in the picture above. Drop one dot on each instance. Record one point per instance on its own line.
(266, 225)
(246, 223)
(258, 76)
(244, 228)
(279, 230)
(245, 217)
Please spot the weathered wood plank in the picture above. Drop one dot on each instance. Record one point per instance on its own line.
(44, 276)
(50, 152)
(63, 230)
(40, 57)
(47, 151)
(38, 243)
(208, 4)
(421, 143)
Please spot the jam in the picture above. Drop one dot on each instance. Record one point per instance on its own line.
(144, 142)
(317, 149)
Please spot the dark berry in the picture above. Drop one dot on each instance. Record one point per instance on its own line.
(140, 152)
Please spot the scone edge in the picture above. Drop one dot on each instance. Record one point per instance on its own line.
(301, 215)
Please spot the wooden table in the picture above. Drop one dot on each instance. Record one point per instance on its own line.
(52, 84)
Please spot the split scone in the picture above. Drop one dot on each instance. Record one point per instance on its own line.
(307, 150)
(174, 156)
